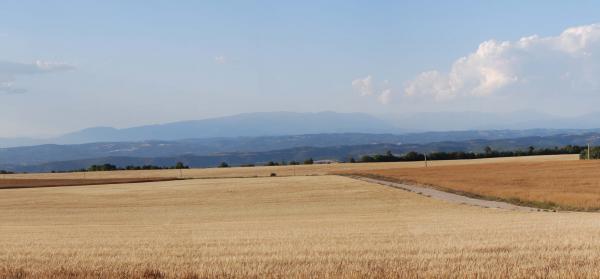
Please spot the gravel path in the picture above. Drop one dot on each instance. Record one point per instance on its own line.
(445, 196)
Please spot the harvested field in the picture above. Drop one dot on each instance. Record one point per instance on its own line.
(262, 171)
(12, 183)
(566, 185)
(282, 227)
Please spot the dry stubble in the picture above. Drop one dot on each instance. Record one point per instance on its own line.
(325, 226)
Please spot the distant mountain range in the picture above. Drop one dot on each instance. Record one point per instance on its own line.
(30, 155)
(241, 125)
(291, 123)
(260, 137)
(336, 152)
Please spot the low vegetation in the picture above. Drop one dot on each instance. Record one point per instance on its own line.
(389, 157)
(594, 153)
(111, 167)
(489, 153)
(282, 163)
(272, 163)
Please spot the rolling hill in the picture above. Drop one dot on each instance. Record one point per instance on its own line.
(336, 152)
(39, 154)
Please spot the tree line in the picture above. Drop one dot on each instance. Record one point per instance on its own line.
(111, 167)
(594, 153)
(459, 155)
(309, 161)
(387, 157)
(411, 156)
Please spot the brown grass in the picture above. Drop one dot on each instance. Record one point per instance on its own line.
(283, 227)
(14, 183)
(570, 185)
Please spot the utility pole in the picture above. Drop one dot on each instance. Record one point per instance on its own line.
(425, 154)
(588, 151)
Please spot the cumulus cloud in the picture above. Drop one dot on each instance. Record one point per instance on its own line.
(385, 96)
(9, 71)
(220, 60)
(566, 63)
(363, 85)
(366, 87)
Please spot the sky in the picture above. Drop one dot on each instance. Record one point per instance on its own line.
(67, 65)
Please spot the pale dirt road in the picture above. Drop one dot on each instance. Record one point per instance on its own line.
(445, 196)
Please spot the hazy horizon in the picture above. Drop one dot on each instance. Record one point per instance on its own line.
(65, 66)
(400, 123)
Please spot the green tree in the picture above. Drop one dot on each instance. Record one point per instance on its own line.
(180, 165)
(413, 156)
(104, 167)
(367, 159)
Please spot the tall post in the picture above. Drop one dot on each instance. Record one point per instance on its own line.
(425, 154)
(588, 151)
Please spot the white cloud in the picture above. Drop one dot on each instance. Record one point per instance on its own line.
(363, 85)
(220, 60)
(385, 96)
(366, 87)
(567, 63)
(9, 71)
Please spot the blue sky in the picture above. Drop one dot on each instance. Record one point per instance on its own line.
(66, 65)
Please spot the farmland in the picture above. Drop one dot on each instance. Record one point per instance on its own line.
(316, 226)
(264, 171)
(312, 225)
(565, 185)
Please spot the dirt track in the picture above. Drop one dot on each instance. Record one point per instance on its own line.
(445, 196)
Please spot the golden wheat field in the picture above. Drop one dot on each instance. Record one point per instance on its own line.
(281, 227)
(570, 185)
(264, 171)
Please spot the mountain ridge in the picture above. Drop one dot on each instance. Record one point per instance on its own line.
(262, 124)
(339, 152)
(38, 154)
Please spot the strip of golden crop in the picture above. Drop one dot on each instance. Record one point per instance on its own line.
(281, 227)
(567, 185)
(264, 171)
